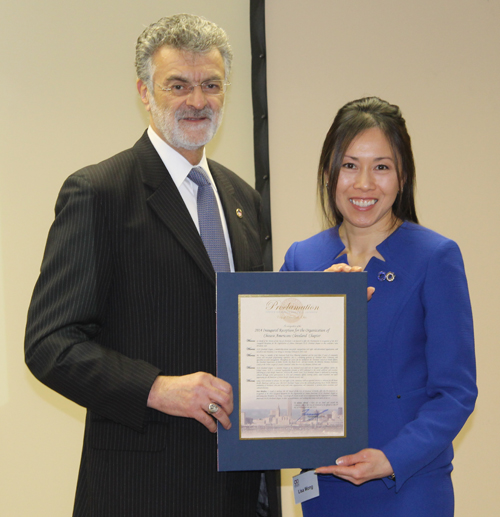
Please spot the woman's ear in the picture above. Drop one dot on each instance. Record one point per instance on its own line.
(325, 177)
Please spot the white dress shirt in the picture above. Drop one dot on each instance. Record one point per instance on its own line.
(179, 168)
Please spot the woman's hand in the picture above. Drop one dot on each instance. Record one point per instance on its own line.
(346, 268)
(360, 467)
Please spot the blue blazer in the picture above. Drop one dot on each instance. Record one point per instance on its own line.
(421, 359)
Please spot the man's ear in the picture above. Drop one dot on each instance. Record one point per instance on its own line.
(143, 92)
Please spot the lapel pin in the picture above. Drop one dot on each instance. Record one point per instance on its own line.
(239, 213)
(389, 276)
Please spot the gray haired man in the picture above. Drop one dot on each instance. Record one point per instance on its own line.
(122, 319)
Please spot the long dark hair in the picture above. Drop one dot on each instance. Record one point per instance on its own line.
(352, 119)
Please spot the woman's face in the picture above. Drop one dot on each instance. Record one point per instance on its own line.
(368, 182)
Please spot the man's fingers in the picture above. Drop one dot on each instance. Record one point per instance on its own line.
(221, 385)
(190, 395)
(221, 397)
(204, 418)
(209, 420)
(223, 418)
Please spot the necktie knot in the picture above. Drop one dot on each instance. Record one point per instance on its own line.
(199, 176)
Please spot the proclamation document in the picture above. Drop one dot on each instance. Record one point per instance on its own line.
(292, 366)
(293, 346)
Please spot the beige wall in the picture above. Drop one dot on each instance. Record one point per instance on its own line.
(68, 100)
(439, 61)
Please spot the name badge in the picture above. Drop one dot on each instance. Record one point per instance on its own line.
(305, 486)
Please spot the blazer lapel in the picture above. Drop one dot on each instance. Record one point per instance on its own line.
(168, 204)
(235, 225)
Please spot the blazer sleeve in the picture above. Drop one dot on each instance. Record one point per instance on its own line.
(289, 262)
(448, 399)
(68, 311)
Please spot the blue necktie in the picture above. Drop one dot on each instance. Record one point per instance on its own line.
(211, 230)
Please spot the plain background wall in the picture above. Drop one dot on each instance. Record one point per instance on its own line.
(438, 60)
(69, 100)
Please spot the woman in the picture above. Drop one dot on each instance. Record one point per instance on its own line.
(421, 366)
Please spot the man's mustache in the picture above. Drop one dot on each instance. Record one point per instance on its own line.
(191, 112)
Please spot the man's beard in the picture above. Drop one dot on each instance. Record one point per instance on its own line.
(168, 122)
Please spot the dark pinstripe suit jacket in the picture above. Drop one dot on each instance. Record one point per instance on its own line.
(127, 291)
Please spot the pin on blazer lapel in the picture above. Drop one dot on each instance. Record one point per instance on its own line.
(235, 224)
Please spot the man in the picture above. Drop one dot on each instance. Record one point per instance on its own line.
(122, 319)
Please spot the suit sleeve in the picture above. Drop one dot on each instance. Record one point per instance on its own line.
(450, 391)
(68, 310)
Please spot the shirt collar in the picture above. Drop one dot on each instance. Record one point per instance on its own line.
(176, 164)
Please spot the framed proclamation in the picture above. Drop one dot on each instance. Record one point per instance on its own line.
(293, 345)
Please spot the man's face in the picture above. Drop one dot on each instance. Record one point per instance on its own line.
(186, 123)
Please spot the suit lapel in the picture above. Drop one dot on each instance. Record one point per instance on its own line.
(235, 225)
(169, 206)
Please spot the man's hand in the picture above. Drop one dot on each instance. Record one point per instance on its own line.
(360, 467)
(346, 268)
(190, 395)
